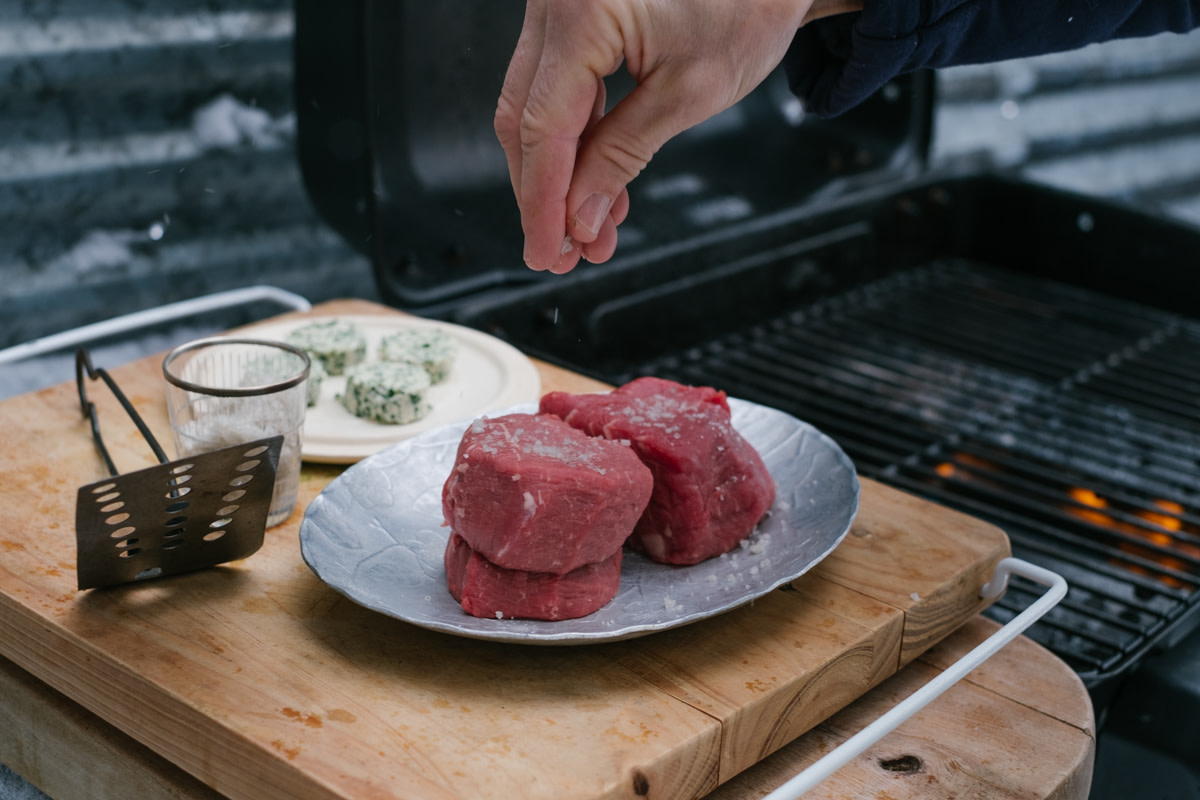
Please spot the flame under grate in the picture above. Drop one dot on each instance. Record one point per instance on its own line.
(1066, 417)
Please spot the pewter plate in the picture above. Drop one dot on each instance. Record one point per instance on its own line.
(375, 534)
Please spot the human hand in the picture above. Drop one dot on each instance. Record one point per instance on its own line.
(570, 162)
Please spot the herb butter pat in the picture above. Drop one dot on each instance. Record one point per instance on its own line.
(431, 348)
(391, 393)
(316, 376)
(338, 344)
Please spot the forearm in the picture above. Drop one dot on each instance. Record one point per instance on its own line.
(838, 61)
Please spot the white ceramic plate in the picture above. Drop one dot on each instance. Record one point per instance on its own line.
(375, 534)
(488, 374)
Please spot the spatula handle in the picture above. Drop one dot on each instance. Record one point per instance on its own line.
(83, 366)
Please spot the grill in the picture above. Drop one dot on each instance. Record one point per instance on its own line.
(1063, 415)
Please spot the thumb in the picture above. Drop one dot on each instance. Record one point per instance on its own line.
(617, 148)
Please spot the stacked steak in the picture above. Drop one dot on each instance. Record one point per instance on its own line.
(538, 513)
(540, 505)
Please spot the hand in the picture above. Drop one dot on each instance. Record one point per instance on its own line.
(569, 161)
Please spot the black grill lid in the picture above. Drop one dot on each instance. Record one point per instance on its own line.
(395, 104)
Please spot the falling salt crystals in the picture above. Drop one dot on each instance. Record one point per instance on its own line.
(915, 597)
(668, 603)
(499, 615)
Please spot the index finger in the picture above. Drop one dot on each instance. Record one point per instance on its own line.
(559, 107)
(515, 90)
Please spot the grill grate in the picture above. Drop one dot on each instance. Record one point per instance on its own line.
(1064, 416)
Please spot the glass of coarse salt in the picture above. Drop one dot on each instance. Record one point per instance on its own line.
(224, 391)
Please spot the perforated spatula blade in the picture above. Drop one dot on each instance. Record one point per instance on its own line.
(174, 517)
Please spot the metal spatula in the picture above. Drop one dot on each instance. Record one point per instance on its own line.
(175, 517)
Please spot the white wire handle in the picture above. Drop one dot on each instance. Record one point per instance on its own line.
(152, 316)
(869, 735)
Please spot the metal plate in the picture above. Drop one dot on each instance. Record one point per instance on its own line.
(376, 535)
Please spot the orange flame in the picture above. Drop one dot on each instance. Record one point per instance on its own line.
(1090, 500)
(1167, 518)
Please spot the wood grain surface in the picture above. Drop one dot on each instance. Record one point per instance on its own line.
(260, 681)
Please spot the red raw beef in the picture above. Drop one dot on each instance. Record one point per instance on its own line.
(529, 492)
(486, 590)
(711, 487)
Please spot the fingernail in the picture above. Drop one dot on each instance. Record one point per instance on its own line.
(592, 213)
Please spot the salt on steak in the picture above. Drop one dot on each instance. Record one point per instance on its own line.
(529, 492)
(711, 487)
(486, 590)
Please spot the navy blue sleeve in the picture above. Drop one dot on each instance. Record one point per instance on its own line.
(837, 62)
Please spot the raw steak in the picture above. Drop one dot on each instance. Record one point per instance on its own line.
(711, 487)
(530, 492)
(486, 590)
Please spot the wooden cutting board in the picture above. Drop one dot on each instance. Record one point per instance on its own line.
(263, 682)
